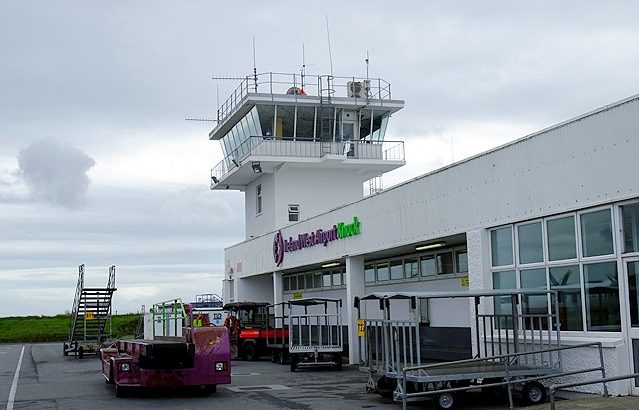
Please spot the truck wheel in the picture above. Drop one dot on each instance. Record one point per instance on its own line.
(534, 393)
(293, 363)
(283, 356)
(274, 356)
(64, 349)
(121, 391)
(249, 352)
(445, 401)
(80, 352)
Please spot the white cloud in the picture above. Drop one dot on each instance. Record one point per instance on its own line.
(55, 172)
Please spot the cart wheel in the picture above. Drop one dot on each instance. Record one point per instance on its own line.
(338, 361)
(386, 386)
(445, 401)
(534, 393)
(293, 363)
(80, 352)
(111, 372)
(64, 349)
(248, 352)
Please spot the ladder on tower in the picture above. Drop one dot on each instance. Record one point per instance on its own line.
(326, 114)
(90, 323)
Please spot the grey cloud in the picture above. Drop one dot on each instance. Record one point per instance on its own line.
(55, 172)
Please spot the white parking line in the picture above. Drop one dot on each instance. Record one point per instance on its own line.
(14, 385)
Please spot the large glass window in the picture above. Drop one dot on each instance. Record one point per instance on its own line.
(396, 271)
(602, 297)
(596, 233)
(266, 114)
(630, 222)
(534, 279)
(445, 263)
(427, 266)
(633, 292)
(305, 123)
(285, 121)
(411, 268)
(337, 279)
(369, 273)
(317, 281)
(501, 246)
(530, 243)
(326, 279)
(382, 271)
(365, 124)
(561, 238)
(461, 261)
(503, 304)
(565, 279)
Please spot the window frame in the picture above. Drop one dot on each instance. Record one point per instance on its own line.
(258, 200)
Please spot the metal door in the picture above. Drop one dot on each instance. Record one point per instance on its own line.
(632, 273)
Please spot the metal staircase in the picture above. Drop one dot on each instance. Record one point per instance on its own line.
(90, 323)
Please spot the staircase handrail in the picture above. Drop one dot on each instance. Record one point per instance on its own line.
(76, 302)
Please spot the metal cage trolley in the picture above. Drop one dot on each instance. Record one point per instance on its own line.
(315, 333)
(510, 342)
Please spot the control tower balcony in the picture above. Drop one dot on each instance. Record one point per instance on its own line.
(322, 122)
(264, 155)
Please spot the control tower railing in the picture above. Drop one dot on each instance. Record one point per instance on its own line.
(268, 147)
(301, 86)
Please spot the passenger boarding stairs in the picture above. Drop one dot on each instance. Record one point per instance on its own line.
(90, 323)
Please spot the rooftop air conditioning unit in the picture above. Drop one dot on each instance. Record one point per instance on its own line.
(358, 89)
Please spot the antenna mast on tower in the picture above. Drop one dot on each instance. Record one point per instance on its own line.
(254, 65)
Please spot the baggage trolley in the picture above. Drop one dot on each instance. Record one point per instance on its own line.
(315, 333)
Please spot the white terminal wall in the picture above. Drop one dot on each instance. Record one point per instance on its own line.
(314, 189)
(583, 162)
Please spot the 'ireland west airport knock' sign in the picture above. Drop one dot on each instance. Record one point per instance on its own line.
(340, 230)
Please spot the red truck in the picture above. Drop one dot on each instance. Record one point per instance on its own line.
(252, 330)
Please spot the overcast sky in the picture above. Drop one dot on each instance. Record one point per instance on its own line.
(98, 166)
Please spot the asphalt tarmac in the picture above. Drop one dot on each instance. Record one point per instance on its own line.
(48, 380)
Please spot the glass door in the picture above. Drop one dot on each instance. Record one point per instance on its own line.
(632, 271)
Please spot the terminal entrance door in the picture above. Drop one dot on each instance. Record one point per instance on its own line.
(632, 273)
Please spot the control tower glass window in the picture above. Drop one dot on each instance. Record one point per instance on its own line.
(266, 113)
(305, 123)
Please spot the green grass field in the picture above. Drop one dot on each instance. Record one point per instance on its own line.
(34, 329)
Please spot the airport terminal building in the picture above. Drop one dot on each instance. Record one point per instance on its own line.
(557, 209)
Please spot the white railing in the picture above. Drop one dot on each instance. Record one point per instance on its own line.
(269, 147)
(301, 86)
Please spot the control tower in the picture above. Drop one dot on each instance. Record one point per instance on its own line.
(298, 145)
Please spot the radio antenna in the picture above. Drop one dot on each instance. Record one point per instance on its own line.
(367, 62)
(328, 36)
(303, 71)
(254, 65)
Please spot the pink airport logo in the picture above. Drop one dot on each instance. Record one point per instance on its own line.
(278, 248)
(322, 237)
